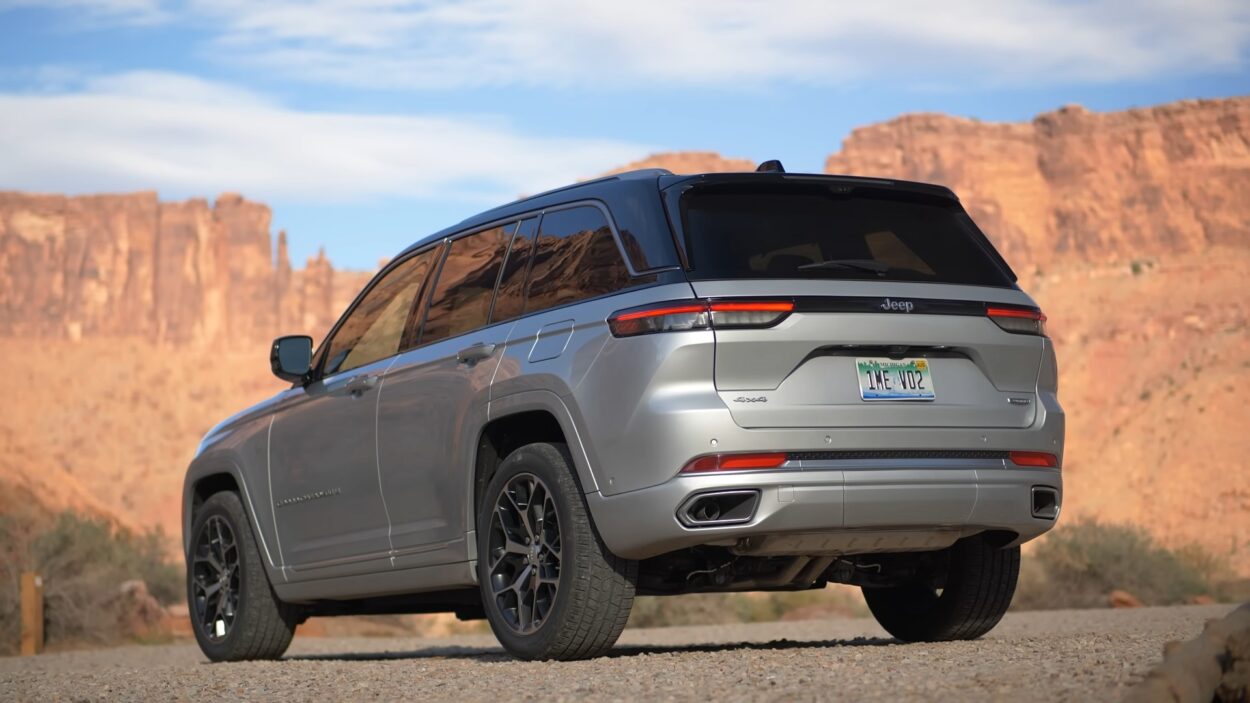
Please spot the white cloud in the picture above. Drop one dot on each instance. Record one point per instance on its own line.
(191, 136)
(421, 44)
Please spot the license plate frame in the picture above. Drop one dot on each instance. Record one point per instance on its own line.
(908, 379)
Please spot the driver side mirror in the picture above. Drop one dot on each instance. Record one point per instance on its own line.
(291, 357)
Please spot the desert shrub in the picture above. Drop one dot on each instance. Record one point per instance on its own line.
(83, 561)
(1079, 564)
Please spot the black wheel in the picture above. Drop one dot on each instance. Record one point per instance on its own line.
(550, 588)
(968, 602)
(234, 612)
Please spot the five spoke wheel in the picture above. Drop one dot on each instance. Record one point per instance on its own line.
(215, 578)
(524, 553)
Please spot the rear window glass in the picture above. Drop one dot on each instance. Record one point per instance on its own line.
(826, 232)
(510, 297)
(466, 284)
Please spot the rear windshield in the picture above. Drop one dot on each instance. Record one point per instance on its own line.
(817, 231)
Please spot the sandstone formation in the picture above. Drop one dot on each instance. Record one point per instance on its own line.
(689, 162)
(1078, 186)
(130, 265)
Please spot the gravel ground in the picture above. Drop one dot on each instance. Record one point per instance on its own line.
(1059, 655)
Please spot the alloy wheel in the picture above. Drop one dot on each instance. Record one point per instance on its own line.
(215, 578)
(524, 553)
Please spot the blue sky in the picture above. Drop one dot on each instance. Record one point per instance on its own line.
(366, 125)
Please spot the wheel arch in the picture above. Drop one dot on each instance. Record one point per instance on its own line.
(519, 419)
(208, 476)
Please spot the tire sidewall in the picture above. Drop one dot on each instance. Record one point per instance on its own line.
(530, 459)
(227, 506)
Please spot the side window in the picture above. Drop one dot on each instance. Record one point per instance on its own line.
(510, 299)
(466, 284)
(575, 257)
(375, 327)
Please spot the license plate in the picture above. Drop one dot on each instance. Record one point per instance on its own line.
(895, 379)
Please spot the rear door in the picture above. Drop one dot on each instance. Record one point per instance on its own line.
(434, 397)
(891, 291)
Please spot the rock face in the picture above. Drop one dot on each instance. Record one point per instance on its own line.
(1078, 186)
(689, 162)
(130, 265)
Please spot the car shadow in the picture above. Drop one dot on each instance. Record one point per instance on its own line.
(498, 654)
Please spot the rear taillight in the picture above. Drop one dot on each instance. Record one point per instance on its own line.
(734, 462)
(1042, 459)
(1018, 320)
(698, 315)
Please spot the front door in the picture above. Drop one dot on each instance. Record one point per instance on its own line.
(323, 466)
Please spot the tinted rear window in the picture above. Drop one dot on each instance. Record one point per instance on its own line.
(466, 284)
(876, 234)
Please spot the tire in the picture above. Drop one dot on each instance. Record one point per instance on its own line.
(979, 585)
(251, 622)
(579, 593)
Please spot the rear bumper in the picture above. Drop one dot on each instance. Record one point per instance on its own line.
(836, 507)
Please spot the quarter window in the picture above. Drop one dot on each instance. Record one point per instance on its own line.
(575, 257)
(466, 284)
(374, 328)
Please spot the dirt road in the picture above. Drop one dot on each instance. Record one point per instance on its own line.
(1062, 655)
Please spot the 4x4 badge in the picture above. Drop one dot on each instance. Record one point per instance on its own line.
(897, 305)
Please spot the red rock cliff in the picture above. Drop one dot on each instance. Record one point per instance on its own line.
(1078, 186)
(113, 265)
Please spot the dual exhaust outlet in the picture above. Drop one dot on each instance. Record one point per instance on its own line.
(737, 506)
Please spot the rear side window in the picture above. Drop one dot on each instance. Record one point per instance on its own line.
(374, 328)
(466, 284)
(801, 231)
(575, 257)
(510, 299)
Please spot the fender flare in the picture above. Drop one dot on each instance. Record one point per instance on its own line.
(550, 402)
(206, 467)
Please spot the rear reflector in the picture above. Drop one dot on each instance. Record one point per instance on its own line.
(698, 315)
(734, 462)
(1018, 320)
(1042, 459)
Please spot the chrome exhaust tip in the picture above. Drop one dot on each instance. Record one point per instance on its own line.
(1045, 503)
(717, 508)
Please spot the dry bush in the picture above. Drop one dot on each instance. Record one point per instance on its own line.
(1079, 564)
(83, 561)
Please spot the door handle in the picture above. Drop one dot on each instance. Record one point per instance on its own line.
(477, 352)
(358, 385)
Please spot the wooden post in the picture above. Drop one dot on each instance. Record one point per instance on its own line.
(32, 613)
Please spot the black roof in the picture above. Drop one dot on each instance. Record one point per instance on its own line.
(608, 186)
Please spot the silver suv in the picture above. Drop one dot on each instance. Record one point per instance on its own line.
(647, 384)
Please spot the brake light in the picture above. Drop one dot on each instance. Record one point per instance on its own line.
(734, 462)
(1042, 459)
(1018, 320)
(698, 315)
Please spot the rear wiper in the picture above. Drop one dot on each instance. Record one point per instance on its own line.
(842, 264)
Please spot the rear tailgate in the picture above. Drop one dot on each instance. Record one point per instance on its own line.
(891, 284)
(803, 372)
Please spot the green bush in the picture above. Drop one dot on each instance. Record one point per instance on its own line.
(83, 561)
(1080, 564)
